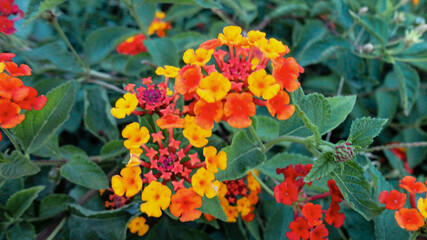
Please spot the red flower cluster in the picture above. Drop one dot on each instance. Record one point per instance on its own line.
(307, 223)
(8, 8)
(132, 45)
(14, 95)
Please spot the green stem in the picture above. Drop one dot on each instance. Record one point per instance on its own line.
(294, 139)
(263, 185)
(253, 132)
(57, 229)
(399, 5)
(69, 45)
(138, 20)
(341, 233)
(12, 139)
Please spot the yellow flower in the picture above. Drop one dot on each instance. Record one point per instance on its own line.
(415, 2)
(137, 225)
(231, 212)
(272, 48)
(167, 71)
(244, 206)
(213, 87)
(199, 57)
(262, 84)
(1, 67)
(134, 159)
(232, 36)
(157, 197)
(125, 106)
(202, 183)
(253, 184)
(213, 160)
(254, 63)
(422, 206)
(195, 134)
(254, 36)
(160, 14)
(135, 135)
(130, 182)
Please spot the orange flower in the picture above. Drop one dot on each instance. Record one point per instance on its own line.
(9, 114)
(253, 184)
(32, 100)
(213, 160)
(279, 105)
(15, 71)
(409, 219)
(213, 87)
(12, 88)
(185, 202)
(136, 136)
(409, 184)
(210, 44)
(199, 57)
(286, 72)
(272, 48)
(392, 201)
(232, 36)
(132, 45)
(137, 225)
(312, 213)
(195, 134)
(130, 182)
(170, 121)
(262, 84)
(202, 183)
(206, 113)
(244, 206)
(238, 108)
(231, 212)
(188, 79)
(157, 197)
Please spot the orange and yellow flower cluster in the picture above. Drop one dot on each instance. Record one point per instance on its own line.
(241, 81)
(14, 95)
(412, 218)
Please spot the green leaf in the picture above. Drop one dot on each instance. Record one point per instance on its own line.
(283, 160)
(113, 149)
(277, 226)
(69, 151)
(387, 103)
(267, 128)
(242, 156)
(201, 3)
(396, 163)
(39, 126)
(78, 210)
(54, 204)
(363, 130)
(97, 117)
(103, 41)
(21, 231)
(253, 228)
(213, 207)
(376, 26)
(322, 49)
(146, 12)
(82, 171)
(163, 51)
(341, 106)
(177, 12)
(357, 227)
(409, 85)
(323, 166)
(356, 190)
(187, 40)
(38, 7)
(21, 201)
(285, 8)
(415, 155)
(17, 165)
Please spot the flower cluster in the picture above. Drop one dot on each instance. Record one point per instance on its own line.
(410, 219)
(307, 223)
(7, 9)
(14, 95)
(134, 44)
(241, 81)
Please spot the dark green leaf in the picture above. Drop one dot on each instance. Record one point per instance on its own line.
(87, 213)
(267, 128)
(323, 166)
(113, 149)
(82, 171)
(363, 130)
(163, 51)
(213, 207)
(21, 201)
(376, 26)
(322, 49)
(21, 231)
(201, 3)
(387, 103)
(17, 165)
(409, 85)
(341, 106)
(54, 204)
(277, 226)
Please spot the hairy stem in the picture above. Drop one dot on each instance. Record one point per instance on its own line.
(263, 185)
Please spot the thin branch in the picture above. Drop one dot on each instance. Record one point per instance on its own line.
(397, 145)
(225, 17)
(106, 85)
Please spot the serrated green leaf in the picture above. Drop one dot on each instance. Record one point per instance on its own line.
(54, 204)
(21, 231)
(376, 26)
(363, 130)
(322, 49)
(97, 117)
(356, 190)
(78, 210)
(113, 149)
(163, 51)
(17, 165)
(341, 106)
(323, 166)
(39, 126)
(42, 7)
(82, 171)
(409, 85)
(267, 128)
(21, 201)
(103, 41)
(213, 207)
(242, 156)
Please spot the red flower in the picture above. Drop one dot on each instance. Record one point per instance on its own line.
(299, 229)
(286, 72)
(185, 202)
(12, 88)
(7, 26)
(279, 105)
(32, 100)
(409, 184)
(332, 216)
(188, 79)
(15, 71)
(392, 201)
(319, 233)
(206, 113)
(312, 213)
(409, 219)
(238, 108)
(132, 45)
(335, 191)
(9, 114)
(6, 57)
(286, 193)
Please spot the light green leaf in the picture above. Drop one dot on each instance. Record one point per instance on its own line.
(163, 51)
(186, 40)
(213, 207)
(82, 171)
(322, 49)
(38, 7)
(97, 117)
(323, 166)
(54, 204)
(341, 106)
(39, 126)
(356, 190)
(242, 156)
(21, 201)
(363, 130)
(409, 85)
(267, 128)
(17, 165)
(113, 149)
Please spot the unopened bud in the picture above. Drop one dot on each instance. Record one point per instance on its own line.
(399, 17)
(344, 152)
(368, 48)
(363, 10)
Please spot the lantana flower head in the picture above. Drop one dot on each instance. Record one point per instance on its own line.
(7, 9)
(129, 183)
(184, 203)
(393, 200)
(138, 225)
(157, 197)
(409, 219)
(132, 45)
(158, 25)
